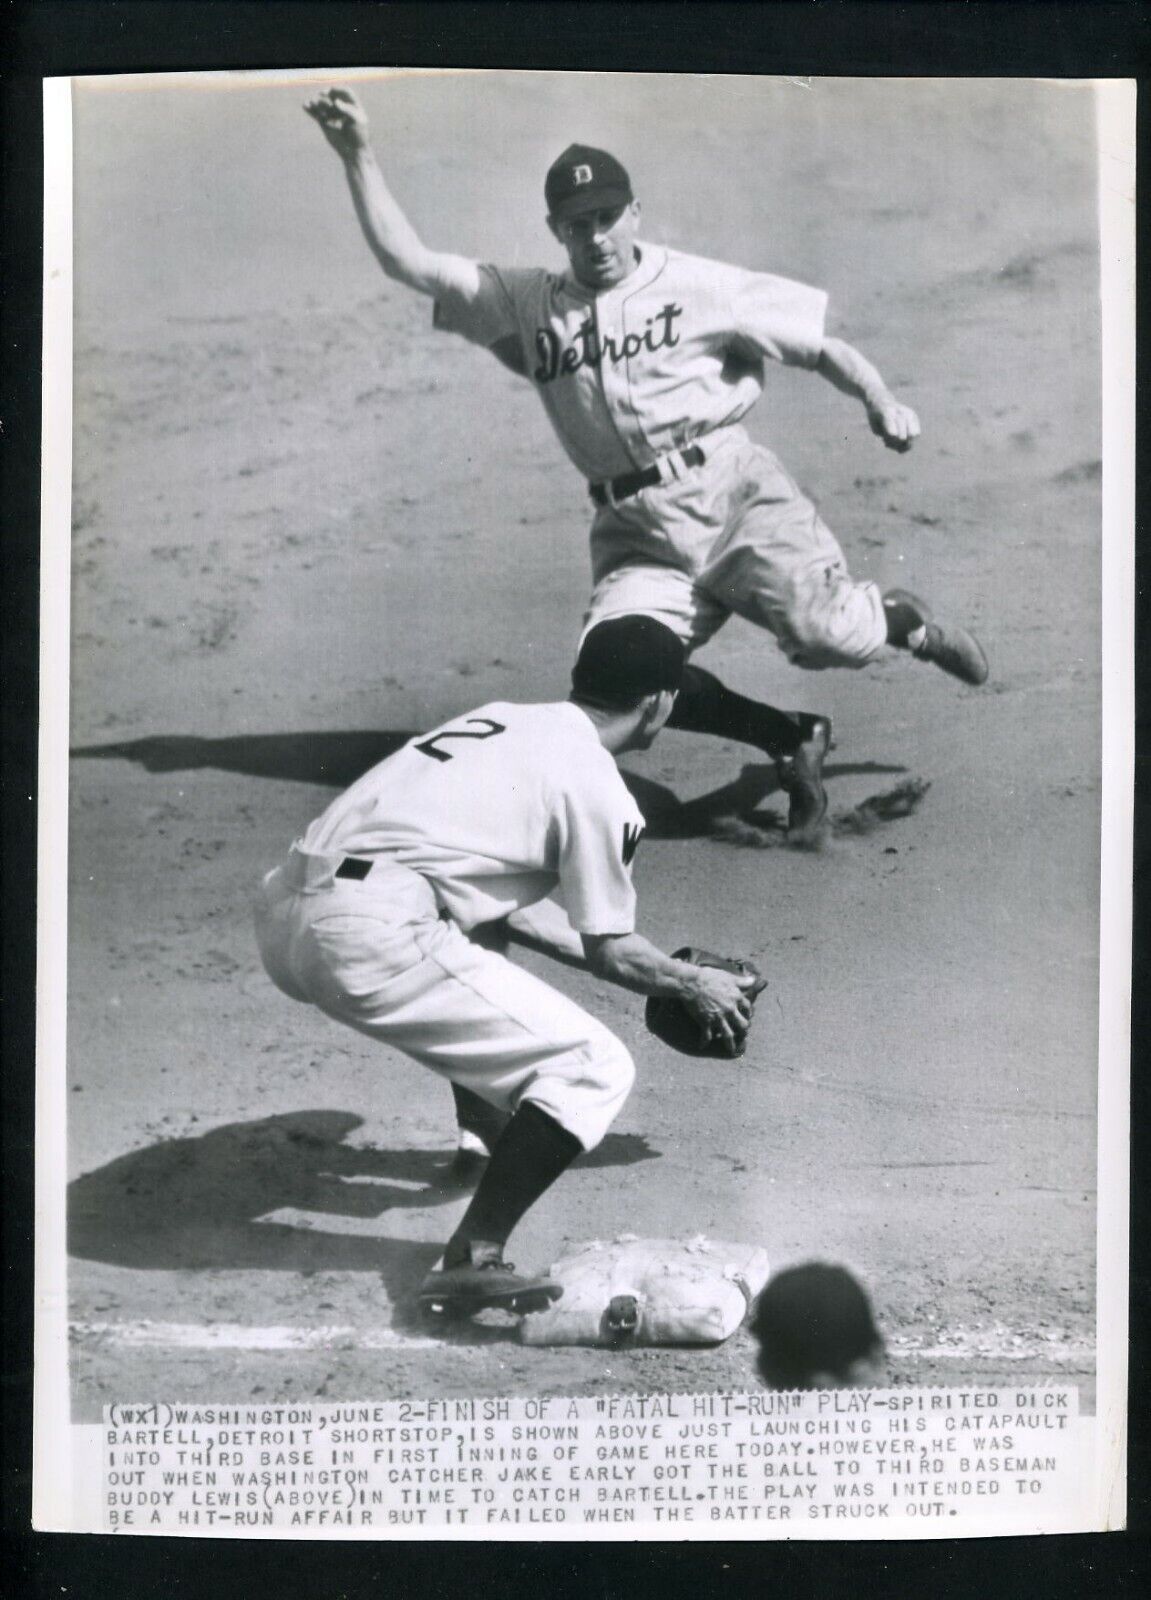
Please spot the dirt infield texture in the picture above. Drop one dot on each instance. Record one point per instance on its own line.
(305, 524)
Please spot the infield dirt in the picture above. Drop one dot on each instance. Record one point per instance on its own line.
(306, 524)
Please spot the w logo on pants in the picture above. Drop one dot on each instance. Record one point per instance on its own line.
(631, 838)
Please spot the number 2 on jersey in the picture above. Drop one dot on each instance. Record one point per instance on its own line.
(427, 747)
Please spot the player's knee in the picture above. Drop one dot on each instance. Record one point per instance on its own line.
(611, 1070)
(814, 633)
(608, 1077)
(833, 623)
(620, 1071)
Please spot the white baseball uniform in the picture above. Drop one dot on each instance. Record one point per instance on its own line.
(672, 356)
(367, 918)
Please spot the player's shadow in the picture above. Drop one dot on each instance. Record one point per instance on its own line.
(211, 1203)
(337, 759)
(334, 758)
(669, 817)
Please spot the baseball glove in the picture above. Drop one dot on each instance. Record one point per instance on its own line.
(671, 1021)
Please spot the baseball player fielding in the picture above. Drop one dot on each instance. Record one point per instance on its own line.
(368, 919)
(646, 361)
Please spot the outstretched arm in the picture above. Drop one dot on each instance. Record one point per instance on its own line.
(841, 364)
(393, 241)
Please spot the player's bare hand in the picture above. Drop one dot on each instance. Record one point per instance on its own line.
(896, 424)
(721, 1002)
(343, 119)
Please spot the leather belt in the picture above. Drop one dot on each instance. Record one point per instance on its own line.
(354, 867)
(632, 482)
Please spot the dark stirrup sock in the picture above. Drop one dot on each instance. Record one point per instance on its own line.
(531, 1153)
(704, 705)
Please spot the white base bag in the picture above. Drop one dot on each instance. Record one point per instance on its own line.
(649, 1292)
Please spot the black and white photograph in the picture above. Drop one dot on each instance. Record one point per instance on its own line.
(592, 721)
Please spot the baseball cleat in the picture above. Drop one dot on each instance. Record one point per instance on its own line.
(948, 646)
(800, 774)
(956, 651)
(482, 1282)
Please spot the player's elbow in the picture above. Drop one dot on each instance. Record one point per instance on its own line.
(606, 955)
(401, 268)
(832, 361)
(596, 956)
(400, 253)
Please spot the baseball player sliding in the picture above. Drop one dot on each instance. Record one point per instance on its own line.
(369, 916)
(646, 361)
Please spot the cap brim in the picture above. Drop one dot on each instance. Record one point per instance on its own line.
(579, 204)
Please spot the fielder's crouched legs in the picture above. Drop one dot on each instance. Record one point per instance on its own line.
(532, 1152)
(377, 956)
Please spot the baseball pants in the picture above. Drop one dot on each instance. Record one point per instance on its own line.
(735, 535)
(377, 955)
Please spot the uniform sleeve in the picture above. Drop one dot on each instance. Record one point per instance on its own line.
(779, 318)
(596, 840)
(486, 316)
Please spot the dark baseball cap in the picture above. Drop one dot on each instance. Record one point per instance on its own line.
(810, 1320)
(626, 658)
(585, 179)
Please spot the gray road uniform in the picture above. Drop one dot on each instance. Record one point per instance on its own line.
(651, 378)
